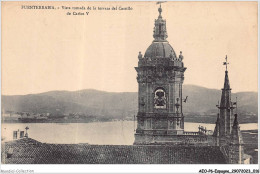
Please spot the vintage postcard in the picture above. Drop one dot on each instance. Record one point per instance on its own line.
(130, 83)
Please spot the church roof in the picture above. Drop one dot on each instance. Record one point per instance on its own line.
(226, 93)
(226, 82)
(216, 130)
(236, 135)
(28, 151)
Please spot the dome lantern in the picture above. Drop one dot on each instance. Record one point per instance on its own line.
(160, 47)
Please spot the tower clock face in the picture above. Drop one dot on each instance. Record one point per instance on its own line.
(160, 99)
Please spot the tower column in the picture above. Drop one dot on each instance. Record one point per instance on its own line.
(160, 74)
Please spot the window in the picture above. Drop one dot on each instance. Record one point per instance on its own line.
(160, 99)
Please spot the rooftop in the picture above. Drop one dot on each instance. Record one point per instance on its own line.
(29, 151)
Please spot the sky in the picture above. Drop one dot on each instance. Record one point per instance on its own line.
(45, 50)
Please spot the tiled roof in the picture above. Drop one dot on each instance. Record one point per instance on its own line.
(28, 151)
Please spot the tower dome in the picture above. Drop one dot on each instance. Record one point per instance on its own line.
(160, 49)
(160, 46)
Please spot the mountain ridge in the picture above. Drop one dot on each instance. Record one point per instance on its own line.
(120, 105)
(97, 90)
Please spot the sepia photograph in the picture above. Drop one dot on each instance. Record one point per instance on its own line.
(130, 82)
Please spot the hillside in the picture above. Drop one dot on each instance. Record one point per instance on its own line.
(201, 101)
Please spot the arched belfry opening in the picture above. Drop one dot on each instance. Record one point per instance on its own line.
(160, 98)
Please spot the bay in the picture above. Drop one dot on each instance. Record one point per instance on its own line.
(101, 133)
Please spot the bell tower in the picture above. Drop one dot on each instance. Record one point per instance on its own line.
(160, 75)
(226, 107)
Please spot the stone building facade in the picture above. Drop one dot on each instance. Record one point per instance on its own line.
(160, 75)
(160, 119)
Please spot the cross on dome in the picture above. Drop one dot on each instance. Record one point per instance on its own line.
(226, 62)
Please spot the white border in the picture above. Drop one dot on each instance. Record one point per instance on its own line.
(128, 168)
(138, 168)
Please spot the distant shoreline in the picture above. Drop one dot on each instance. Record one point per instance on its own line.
(187, 121)
(192, 119)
